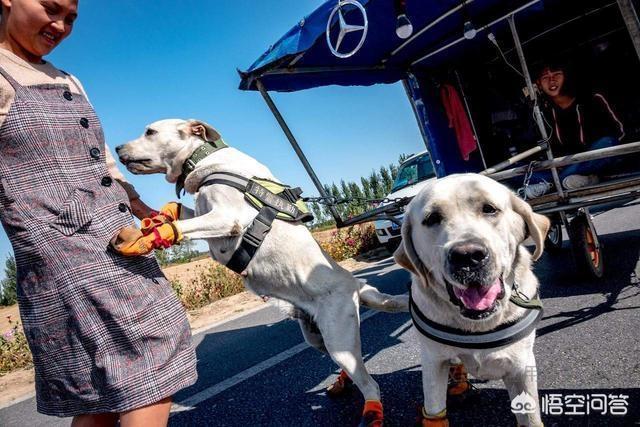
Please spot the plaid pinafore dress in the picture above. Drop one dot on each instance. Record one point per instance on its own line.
(106, 331)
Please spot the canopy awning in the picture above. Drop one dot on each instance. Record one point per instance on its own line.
(302, 59)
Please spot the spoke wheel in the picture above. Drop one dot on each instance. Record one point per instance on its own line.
(586, 250)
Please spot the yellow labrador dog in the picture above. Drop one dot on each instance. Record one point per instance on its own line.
(288, 266)
(473, 294)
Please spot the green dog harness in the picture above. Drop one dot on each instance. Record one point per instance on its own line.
(272, 200)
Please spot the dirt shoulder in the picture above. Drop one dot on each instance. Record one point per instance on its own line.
(17, 385)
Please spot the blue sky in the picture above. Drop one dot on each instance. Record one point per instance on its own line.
(146, 60)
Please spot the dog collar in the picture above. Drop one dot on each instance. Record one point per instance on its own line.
(502, 335)
(198, 155)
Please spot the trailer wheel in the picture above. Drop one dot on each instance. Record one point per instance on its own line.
(553, 242)
(587, 251)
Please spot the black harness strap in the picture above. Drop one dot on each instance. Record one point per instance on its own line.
(282, 202)
(227, 178)
(261, 225)
(252, 239)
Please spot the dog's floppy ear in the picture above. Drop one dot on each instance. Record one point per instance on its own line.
(538, 225)
(200, 129)
(406, 256)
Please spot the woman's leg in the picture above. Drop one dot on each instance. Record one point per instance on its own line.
(95, 420)
(154, 415)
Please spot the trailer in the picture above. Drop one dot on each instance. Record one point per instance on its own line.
(484, 50)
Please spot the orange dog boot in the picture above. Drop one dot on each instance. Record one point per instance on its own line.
(372, 415)
(459, 386)
(342, 384)
(168, 213)
(437, 420)
(131, 242)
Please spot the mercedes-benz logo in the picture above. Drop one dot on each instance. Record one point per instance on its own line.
(346, 28)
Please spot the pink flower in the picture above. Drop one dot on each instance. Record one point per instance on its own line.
(9, 334)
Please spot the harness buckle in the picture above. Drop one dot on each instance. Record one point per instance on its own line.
(256, 232)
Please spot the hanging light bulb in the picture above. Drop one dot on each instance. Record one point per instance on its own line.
(469, 30)
(404, 29)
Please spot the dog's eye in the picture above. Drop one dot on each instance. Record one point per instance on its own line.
(434, 218)
(150, 132)
(489, 209)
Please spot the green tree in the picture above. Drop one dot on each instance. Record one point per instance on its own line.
(359, 206)
(9, 284)
(376, 185)
(402, 157)
(325, 207)
(162, 256)
(394, 170)
(366, 188)
(341, 208)
(387, 179)
(346, 191)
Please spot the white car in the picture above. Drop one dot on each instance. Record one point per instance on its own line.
(413, 174)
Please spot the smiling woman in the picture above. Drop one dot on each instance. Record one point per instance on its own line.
(109, 339)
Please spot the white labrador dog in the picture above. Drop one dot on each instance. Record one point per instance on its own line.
(289, 265)
(462, 241)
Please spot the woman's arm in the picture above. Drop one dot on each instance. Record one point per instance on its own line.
(138, 207)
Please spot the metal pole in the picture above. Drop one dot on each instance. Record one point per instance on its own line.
(297, 149)
(532, 93)
(473, 125)
(511, 160)
(631, 21)
(571, 159)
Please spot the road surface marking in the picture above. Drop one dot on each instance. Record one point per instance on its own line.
(206, 394)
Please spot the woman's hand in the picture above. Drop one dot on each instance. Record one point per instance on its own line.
(140, 209)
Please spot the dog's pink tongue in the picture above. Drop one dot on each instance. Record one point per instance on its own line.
(479, 298)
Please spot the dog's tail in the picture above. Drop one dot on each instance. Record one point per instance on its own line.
(373, 298)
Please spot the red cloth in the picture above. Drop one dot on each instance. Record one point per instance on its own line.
(458, 120)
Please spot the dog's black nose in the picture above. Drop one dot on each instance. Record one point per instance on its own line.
(468, 255)
(118, 148)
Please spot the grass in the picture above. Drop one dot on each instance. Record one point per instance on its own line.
(348, 242)
(213, 283)
(14, 350)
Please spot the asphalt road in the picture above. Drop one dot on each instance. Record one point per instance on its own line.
(256, 370)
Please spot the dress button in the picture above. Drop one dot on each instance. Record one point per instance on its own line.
(67, 95)
(95, 153)
(84, 122)
(106, 181)
(122, 207)
(156, 281)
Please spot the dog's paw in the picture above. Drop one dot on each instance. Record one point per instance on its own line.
(425, 420)
(341, 386)
(459, 389)
(372, 415)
